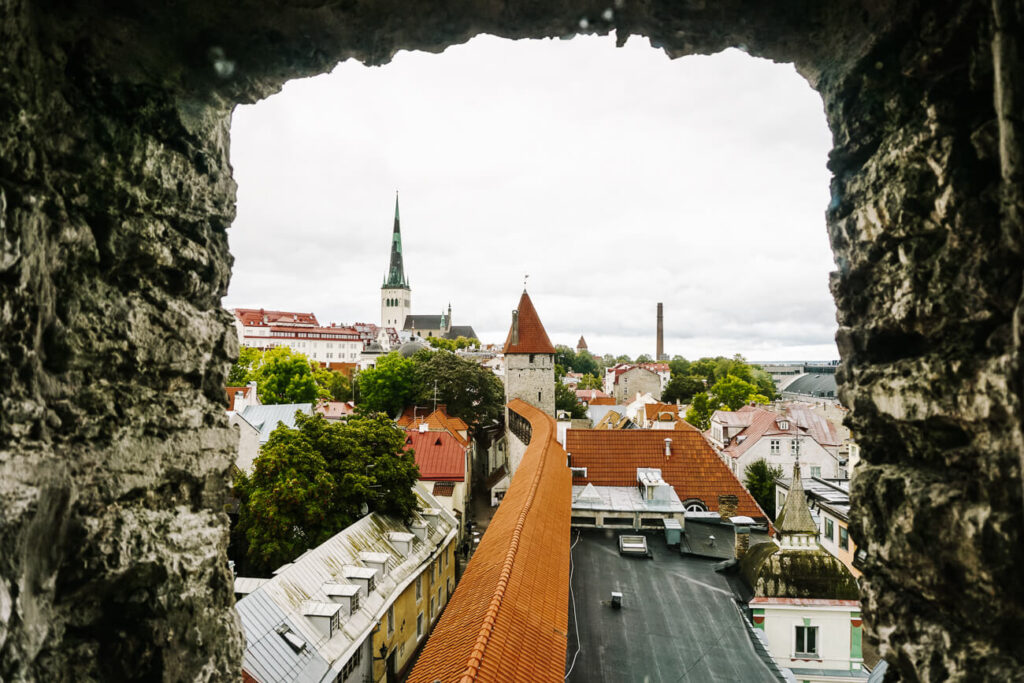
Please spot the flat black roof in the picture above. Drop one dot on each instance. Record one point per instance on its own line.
(678, 622)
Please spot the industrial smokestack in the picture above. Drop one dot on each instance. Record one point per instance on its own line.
(661, 334)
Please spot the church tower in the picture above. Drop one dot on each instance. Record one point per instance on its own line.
(395, 293)
(529, 359)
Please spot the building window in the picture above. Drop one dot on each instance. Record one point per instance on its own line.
(439, 598)
(794, 446)
(815, 471)
(538, 397)
(776, 447)
(844, 538)
(419, 588)
(829, 530)
(419, 625)
(806, 641)
(531, 359)
(336, 622)
(391, 620)
(432, 608)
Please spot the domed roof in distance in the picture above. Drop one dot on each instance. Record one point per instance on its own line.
(773, 572)
(412, 347)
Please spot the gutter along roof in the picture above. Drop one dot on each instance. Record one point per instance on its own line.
(508, 618)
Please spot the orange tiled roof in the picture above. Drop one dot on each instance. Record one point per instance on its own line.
(532, 336)
(602, 401)
(437, 421)
(508, 619)
(653, 410)
(444, 488)
(232, 391)
(693, 469)
(255, 316)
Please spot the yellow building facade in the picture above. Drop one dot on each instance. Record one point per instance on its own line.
(407, 623)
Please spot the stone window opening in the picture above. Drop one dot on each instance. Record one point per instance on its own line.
(928, 285)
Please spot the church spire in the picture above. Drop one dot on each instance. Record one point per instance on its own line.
(396, 272)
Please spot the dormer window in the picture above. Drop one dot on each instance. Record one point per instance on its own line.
(784, 425)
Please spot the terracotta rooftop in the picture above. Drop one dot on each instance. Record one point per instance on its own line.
(652, 411)
(693, 469)
(232, 392)
(444, 488)
(589, 395)
(602, 401)
(532, 338)
(508, 619)
(439, 455)
(259, 316)
(437, 421)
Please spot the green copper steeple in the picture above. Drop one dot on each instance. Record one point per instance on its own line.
(396, 273)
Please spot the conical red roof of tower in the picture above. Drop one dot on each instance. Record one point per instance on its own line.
(532, 337)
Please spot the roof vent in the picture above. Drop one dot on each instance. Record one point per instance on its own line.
(402, 540)
(423, 427)
(668, 447)
(419, 529)
(616, 600)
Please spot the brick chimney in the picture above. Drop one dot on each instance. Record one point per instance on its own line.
(742, 541)
(727, 505)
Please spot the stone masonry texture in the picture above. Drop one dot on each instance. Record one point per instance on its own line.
(116, 194)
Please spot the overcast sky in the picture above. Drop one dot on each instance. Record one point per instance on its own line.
(616, 178)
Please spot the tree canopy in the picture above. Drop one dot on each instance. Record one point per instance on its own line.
(760, 480)
(453, 344)
(682, 389)
(311, 482)
(565, 399)
(583, 362)
(468, 391)
(389, 387)
(699, 412)
(286, 376)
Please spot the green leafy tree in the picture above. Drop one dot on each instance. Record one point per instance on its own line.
(682, 389)
(699, 412)
(591, 382)
(284, 376)
(760, 480)
(311, 482)
(469, 391)
(644, 358)
(608, 360)
(732, 392)
(564, 356)
(622, 359)
(287, 505)
(338, 386)
(705, 367)
(586, 364)
(679, 366)
(442, 343)
(565, 399)
(248, 359)
(388, 387)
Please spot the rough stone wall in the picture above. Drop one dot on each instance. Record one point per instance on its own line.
(928, 285)
(114, 448)
(115, 193)
(533, 382)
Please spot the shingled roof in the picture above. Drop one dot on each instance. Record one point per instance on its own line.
(509, 617)
(693, 469)
(530, 337)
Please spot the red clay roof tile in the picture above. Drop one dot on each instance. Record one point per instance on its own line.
(508, 619)
(532, 336)
(693, 468)
(439, 455)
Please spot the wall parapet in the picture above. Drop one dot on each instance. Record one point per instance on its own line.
(508, 618)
